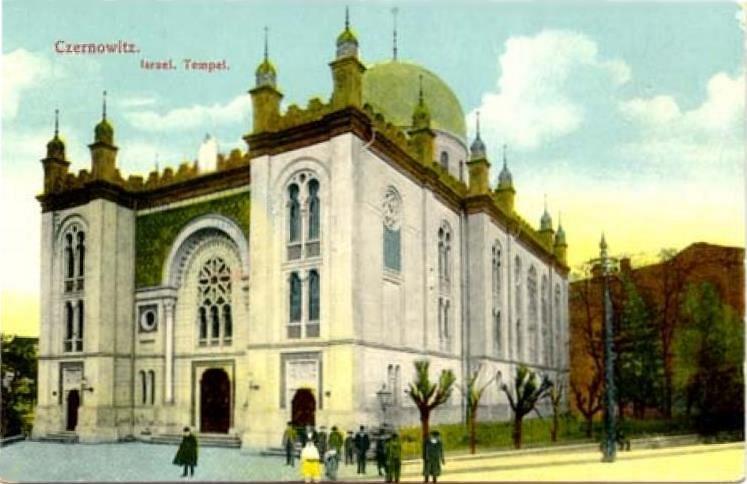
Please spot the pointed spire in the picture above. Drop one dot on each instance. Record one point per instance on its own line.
(103, 132)
(560, 234)
(546, 220)
(603, 247)
(505, 180)
(266, 74)
(420, 89)
(477, 149)
(347, 43)
(267, 57)
(55, 147)
(394, 33)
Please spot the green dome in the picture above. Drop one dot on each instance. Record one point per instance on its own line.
(104, 132)
(347, 35)
(265, 67)
(392, 89)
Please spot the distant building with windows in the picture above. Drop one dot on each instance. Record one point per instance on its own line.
(300, 279)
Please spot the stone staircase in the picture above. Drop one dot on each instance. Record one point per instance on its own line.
(62, 436)
(204, 440)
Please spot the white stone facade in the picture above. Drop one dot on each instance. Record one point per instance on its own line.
(144, 356)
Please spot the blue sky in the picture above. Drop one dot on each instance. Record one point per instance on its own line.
(628, 115)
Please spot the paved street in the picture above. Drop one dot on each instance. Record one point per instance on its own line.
(147, 462)
(718, 462)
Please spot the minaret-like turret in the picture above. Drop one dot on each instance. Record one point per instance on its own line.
(55, 165)
(265, 95)
(546, 231)
(103, 150)
(478, 164)
(347, 70)
(421, 134)
(505, 192)
(561, 246)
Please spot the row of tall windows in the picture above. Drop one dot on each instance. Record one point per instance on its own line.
(147, 387)
(73, 281)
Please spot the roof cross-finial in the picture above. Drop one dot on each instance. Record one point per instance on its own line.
(266, 35)
(545, 202)
(394, 33)
(156, 162)
(477, 116)
(103, 106)
(505, 147)
(347, 18)
(560, 221)
(56, 122)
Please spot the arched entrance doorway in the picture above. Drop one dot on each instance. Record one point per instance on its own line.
(303, 408)
(73, 402)
(215, 401)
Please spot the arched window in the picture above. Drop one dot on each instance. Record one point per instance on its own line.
(445, 160)
(81, 250)
(214, 289)
(519, 310)
(312, 325)
(391, 209)
(546, 331)
(496, 290)
(294, 318)
(152, 375)
(313, 210)
(532, 323)
(294, 214)
(444, 253)
(69, 257)
(559, 345)
(304, 216)
(69, 326)
(227, 323)
(79, 332)
(143, 387)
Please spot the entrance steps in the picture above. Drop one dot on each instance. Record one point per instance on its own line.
(203, 440)
(61, 436)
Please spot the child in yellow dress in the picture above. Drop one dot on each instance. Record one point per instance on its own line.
(311, 469)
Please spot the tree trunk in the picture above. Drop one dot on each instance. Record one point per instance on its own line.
(667, 388)
(554, 428)
(472, 430)
(517, 432)
(589, 425)
(425, 426)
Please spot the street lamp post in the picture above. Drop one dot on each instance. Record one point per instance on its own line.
(609, 359)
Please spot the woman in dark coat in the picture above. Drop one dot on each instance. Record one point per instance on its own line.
(434, 456)
(187, 454)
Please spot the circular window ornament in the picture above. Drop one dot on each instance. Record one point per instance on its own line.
(148, 319)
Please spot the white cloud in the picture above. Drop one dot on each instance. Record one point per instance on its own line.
(534, 101)
(22, 70)
(137, 101)
(236, 111)
(708, 135)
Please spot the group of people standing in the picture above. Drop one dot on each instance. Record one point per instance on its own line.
(318, 447)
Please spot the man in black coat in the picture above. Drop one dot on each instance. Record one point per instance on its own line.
(361, 443)
(186, 455)
(349, 448)
(381, 453)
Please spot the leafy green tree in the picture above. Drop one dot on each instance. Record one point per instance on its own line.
(18, 384)
(640, 362)
(523, 397)
(427, 395)
(709, 350)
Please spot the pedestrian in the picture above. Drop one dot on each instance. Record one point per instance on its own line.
(289, 442)
(393, 458)
(321, 440)
(186, 455)
(349, 448)
(434, 456)
(381, 453)
(331, 463)
(310, 465)
(361, 443)
(335, 441)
